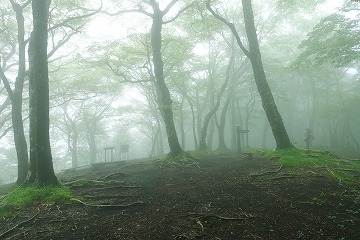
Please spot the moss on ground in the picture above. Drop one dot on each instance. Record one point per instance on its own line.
(341, 168)
(27, 195)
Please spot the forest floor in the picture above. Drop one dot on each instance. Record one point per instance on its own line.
(215, 197)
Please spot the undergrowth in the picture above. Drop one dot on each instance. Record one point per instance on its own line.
(28, 195)
(338, 167)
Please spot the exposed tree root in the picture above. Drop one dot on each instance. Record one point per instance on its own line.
(7, 232)
(111, 175)
(206, 216)
(348, 170)
(123, 187)
(265, 173)
(282, 177)
(123, 206)
(108, 196)
(93, 183)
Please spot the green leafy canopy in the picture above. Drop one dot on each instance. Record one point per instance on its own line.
(335, 39)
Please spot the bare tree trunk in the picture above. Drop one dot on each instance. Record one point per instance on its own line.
(210, 114)
(41, 159)
(164, 98)
(16, 96)
(268, 102)
(279, 131)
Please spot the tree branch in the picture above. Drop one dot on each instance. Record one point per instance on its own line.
(232, 28)
(168, 7)
(64, 23)
(128, 11)
(120, 74)
(178, 14)
(5, 104)
(108, 206)
(6, 83)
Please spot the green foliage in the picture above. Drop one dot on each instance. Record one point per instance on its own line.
(24, 196)
(335, 39)
(318, 159)
(296, 5)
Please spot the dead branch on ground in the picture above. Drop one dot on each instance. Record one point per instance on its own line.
(108, 196)
(205, 215)
(265, 173)
(123, 187)
(107, 206)
(4, 234)
(282, 177)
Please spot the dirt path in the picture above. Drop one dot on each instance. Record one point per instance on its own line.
(214, 198)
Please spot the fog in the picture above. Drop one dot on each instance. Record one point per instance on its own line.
(102, 92)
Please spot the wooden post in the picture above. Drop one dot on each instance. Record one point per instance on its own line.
(238, 138)
(111, 149)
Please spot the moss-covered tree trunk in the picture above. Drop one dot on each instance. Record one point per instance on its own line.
(42, 170)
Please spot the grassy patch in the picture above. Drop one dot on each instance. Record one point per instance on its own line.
(28, 195)
(341, 168)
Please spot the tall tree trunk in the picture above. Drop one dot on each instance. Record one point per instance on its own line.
(16, 96)
(276, 123)
(193, 122)
(19, 139)
(17, 119)
(39, 97)
(164, 98)
(210, 114)
(277, 126)
(264, 134)
(181, 124)
(73, 148)
(91, 139)
(221, 127)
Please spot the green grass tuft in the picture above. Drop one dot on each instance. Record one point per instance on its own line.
(27, 195)
(295, 157)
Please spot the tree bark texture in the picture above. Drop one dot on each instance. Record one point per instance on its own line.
(276, 123)
(41, 158)
(163, 98)
(16, 100)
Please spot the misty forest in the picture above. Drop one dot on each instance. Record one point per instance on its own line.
(180, 119)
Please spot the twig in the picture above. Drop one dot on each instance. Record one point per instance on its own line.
(16, 236)
(108, 196)
(200, 224)
(204, 215)
(107, 206)
(265, 173)
(348, 170)
(282, 177)
(108, 188)
(2, 236)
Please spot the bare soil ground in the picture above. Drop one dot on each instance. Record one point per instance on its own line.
(218, 197)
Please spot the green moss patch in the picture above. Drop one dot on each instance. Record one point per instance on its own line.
(24, 196)
(341, 168)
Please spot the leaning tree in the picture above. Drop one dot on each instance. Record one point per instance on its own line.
(163, 94)
(253, 53)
